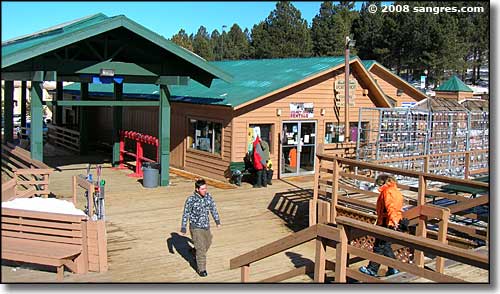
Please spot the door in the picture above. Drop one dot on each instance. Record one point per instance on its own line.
(298, 147)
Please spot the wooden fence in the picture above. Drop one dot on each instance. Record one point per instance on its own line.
(64, 137)
(339, 236)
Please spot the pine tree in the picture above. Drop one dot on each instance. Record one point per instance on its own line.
(284, 33)
(216, 42)
(330, 27)
(368, 31)
(183, 40)
(201, 44)
(237, 45)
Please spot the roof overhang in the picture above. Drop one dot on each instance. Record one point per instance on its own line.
(184, 63)
(414, 92)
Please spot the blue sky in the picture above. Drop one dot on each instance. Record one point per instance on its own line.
(164, 18)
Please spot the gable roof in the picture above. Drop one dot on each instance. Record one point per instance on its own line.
(253, 80)
(23, 48)
(415, 93)
(454, 84)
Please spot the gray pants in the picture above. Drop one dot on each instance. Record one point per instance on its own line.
(202, 240)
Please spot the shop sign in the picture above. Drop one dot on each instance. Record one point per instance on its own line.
(302, 110)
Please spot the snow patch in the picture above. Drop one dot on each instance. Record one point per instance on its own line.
(44, 204)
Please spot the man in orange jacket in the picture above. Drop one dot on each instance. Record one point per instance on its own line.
(389, 212)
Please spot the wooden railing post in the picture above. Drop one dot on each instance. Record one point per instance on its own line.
(320, 261)
(74, 190)
(467, 165)
(313, 204)
(335, 188)
(443, 231)
(341, 257)
(421, 228)
(426, 163)
(245, 273)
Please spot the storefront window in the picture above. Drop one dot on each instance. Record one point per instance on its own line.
(265, 133)
(335, 132)
(205, 136)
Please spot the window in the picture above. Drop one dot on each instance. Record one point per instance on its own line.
(265, 133)
(335, 132)
(205, 136)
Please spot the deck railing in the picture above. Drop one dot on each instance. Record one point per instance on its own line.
(337, 179)
(64, 137)
(339, 237)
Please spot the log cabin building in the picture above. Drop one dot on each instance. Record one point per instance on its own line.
(297, 103)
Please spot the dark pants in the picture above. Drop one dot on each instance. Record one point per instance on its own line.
(202, 239)
(383, 248)
(269, 176)
(260, 178)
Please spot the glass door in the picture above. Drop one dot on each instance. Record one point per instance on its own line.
(298, 147)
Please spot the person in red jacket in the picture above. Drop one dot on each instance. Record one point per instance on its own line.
(389, 213)
(258, 164)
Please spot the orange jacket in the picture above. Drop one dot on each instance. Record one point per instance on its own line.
(389, 205)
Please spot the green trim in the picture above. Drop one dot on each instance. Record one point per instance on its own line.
(164, 136)
(104, 103)
(120, 68)
(117, 123)
(36, 127)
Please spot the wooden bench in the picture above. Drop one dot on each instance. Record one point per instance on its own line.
(45, 238)
(30, 174)
(238, 170)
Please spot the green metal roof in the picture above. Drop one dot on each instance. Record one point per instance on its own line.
(368, 63)
(251, 79)
(454, 84)
(20, 49)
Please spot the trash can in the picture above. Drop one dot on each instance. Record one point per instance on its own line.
(151, 174)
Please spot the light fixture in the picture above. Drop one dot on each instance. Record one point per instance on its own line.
(107, 72)
(278, 111)
(322, 111)
(365, 92)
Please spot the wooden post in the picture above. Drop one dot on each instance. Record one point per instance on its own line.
(323, 212)
(335, 188)
(320, 261)
(83, 119)
(341, 257)
(82, 261)
(443, 231)
(24, 86)
(245, 273)
(422, 187)
(57, 110)
(8, 115)
(117, 123)
(36, 127)
(74, 190)
(102, 245)
(164, 135)
(421, 232)
(467, 165)
(426, 164)
(314, 202)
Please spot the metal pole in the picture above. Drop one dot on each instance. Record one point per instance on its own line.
(346, 85)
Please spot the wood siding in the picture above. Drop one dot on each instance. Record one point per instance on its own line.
(390, 85)
(319, 91)
(196, 161)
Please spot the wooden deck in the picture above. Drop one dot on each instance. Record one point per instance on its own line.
(144, 244)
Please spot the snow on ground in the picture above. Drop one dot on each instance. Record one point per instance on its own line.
(44, 204)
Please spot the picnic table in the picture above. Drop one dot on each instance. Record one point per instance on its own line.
(466, 189)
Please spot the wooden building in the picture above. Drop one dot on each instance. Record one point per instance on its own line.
(297, 103)
(454, 89)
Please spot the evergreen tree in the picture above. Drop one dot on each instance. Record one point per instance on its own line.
(216, 41)
(202, 45)
(284, 33)
(183, 40)
(368, 31)
(237, 45)
(330, 27)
